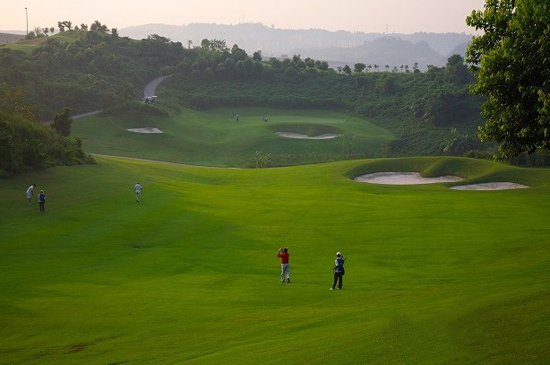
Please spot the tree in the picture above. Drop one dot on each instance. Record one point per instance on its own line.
(456, 71)
(510, 62)
(257, 56)
(65, 24)
(98, 27)
(346, 69)
(238, 54)
(13, 101)
(62, 122)
(458, 143)
(359, 67)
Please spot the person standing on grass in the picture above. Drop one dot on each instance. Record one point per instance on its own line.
(30, 193)
(338, 270)
(137, 190)
(285, 267)
(42, 200)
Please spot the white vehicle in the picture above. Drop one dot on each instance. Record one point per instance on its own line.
(150, 99)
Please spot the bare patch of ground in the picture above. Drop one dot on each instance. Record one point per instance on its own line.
(145, 130)
(491, 186)
(77, 348)
(403, 178)
(304, 136)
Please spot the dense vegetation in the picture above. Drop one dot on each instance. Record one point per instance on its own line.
(85, 69)
(26, 145)
(430, 113)
(419, 108)
(511, 62)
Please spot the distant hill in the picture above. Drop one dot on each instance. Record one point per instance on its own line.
(324, 44)
(460, 49)
(10, 38)
(382, 51)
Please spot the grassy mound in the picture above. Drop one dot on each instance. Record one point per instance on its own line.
(215, 138)
(190, 273)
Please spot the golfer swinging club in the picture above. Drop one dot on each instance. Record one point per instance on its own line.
(285, 267)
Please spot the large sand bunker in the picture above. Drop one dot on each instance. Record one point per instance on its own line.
(490, 186)
(145, 130)
(305, 136)
(403, 178)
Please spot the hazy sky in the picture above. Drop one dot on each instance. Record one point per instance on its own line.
(401, 16)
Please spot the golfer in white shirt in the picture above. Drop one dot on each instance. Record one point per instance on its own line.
(137, 190)
(30, 192)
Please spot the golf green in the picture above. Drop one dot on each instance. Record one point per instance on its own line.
(215, 138)
(189, 274)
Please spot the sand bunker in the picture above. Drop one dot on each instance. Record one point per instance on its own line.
(490, 186)
(304, 136)
(145, 130)
(403, 178)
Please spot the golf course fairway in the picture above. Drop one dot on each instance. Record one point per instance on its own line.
(189, 274)
(214, 137)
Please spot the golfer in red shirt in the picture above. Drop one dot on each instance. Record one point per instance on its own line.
(285, 267)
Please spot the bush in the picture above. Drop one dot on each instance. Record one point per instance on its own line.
(28, 145)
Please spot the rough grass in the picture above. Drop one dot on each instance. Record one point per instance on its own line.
(190, 274)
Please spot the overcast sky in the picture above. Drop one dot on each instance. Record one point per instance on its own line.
(400, 16)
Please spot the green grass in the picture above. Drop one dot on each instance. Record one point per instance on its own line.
(214, 137)
(189, 275)
(28, 46)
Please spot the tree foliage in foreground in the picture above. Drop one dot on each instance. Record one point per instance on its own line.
(511, 63)
(27, 145)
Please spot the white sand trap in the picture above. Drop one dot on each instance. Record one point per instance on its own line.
(145, 130)
(305, 136)
(491, 186)
(403, 178)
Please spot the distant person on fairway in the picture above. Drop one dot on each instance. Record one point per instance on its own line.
(285, 267)
(237, 117)
(30, 193)
(42, 200)
(338, 270)
(137, 190)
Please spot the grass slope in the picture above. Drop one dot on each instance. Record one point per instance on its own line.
(190, 275)
(214, 137)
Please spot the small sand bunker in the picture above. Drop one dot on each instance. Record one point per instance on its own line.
(403, 178)
(304, 136)
(490, 186)
(145, 130)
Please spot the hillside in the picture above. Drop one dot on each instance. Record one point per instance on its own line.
(382, 51)
(83, 70)
(311, 42)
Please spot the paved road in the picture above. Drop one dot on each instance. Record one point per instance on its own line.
(150, 88)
